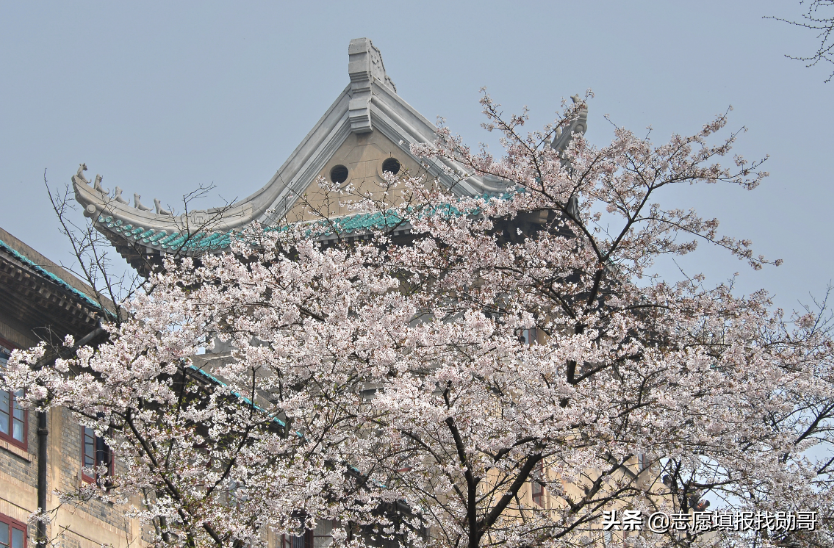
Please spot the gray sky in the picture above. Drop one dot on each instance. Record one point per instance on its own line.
(161, 97)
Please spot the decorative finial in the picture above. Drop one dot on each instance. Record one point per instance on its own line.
(79, 175)
(117, 195)
(365, 68)
(138, 204)
(97, 186)
(159, 208)
(579, 124)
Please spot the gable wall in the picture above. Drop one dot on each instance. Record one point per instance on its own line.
(363, 155)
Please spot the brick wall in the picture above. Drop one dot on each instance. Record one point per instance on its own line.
(70, 463)
(18, 463)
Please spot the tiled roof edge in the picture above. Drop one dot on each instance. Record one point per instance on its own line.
(234, 393)
(27, 261)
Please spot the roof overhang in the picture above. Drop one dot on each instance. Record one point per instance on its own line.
(369, 103)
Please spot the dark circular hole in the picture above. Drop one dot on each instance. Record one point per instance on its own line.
(339, 174)
(392, 165)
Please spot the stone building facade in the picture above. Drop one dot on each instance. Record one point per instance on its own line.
(40, 301)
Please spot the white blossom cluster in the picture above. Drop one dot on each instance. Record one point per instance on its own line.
(418, 388)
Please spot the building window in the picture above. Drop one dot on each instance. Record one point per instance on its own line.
(607, 538)
(95, 453)
(12, 533)
(320, 537)
(536, 486)
(642, 462)
(339, 174)
(323, 533)
(300, 541)
(391, 165)
(529, 336)
(13, 418)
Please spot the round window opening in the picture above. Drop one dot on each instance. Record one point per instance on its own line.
(339, 174)
(392, 165)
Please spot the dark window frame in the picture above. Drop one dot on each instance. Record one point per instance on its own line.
(536, 486)
(5, 349)
(298, 541)
(306, 540)
(100, 449)
(530, 336)
(13, 524)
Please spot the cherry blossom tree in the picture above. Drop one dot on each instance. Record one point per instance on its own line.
(818, 17)
(646, 396)
(220, 450)
(500, 376)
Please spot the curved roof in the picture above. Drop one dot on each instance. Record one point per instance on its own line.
(369, 103)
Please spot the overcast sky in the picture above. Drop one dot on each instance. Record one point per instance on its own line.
(160, 98)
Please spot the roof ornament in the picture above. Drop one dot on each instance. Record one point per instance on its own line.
(117, 195)
(79, 175)
(138, 204)
(159, 209)
(79, 178)
(365, 67)
(561, 141)
(577, 125)
(97, 186)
